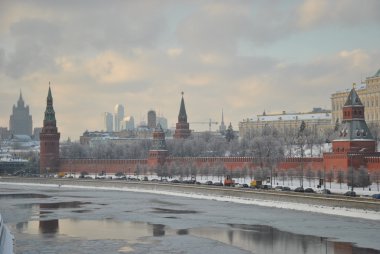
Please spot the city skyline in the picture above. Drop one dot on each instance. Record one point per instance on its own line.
(143, 54)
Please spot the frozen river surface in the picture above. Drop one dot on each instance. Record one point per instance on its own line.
(69, 220)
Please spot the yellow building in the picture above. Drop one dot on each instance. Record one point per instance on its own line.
(319, 119)
(369, 93)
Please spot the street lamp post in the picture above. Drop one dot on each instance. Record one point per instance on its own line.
(352, 173)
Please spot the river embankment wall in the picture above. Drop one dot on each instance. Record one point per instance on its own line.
(360, 203)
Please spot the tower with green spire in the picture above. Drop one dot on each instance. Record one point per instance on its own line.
(182, 127)
(49, 139)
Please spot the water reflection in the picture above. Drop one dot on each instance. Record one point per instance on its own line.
(92, 229)
(48, 226)
(57, 205)
(174, 211)
(253, 238)
(22, 195)
(266, 239)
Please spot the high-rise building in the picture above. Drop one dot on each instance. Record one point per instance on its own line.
(108, 121)
(20, 122)
(182, 127)
(119, 116)
(36, 133)
(4, 133)
(152, 119)
(128, 123)
(163, 122)
(49, 140)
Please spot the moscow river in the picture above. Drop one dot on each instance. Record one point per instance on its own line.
(71, 220)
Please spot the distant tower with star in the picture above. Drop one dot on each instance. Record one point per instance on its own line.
(222, 127)
(182, 127)
(49, 139)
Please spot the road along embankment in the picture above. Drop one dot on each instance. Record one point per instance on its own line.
(249, 196)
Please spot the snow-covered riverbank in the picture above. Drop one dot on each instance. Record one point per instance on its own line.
(281, 200)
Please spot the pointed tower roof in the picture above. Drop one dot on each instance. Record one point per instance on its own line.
(182, 116)
(353, 126)
(20, 102)
(49, 112)
(353, 99)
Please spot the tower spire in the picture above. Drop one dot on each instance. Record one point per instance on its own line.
(182, 127)
(182, 116)
(20, 102)
(49, 112)
(222, 126)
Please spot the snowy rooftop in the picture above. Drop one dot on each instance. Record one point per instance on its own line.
(294, 116)
(360, 86)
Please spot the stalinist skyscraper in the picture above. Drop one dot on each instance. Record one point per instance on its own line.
(20, 122)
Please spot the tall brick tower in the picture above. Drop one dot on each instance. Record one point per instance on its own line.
(354, 134)
(182, 127)
(49, 139)
(158, 152)
(354, 140)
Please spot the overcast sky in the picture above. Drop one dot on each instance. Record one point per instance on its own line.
(242, 56)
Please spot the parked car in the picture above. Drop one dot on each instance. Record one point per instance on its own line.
(325, 191)
(278, 188)
(218, 184)
(299, 189)
(376, 196)
(175, 181)
(309, 190)
(285, 188)
(350, 194)
(208, 183)
(244, 185)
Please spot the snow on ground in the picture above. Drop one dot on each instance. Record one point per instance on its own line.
(347, 212)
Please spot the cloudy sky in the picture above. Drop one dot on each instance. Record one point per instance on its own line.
(242, 56)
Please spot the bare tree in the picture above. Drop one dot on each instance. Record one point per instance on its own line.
(376, 178)
(309, 175)
(340, 177)
(291, 173)
(330, 177)
(363, 178)
(282, 174)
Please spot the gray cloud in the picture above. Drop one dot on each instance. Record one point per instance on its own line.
(144, 53)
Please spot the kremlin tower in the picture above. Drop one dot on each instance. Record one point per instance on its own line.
(182, 127)
(49, 139)
(158, 151)
(354, 140)
(354, 135)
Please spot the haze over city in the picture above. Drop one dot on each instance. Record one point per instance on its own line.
(242, 56)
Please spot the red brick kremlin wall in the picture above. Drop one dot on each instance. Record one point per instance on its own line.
(330, 161)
